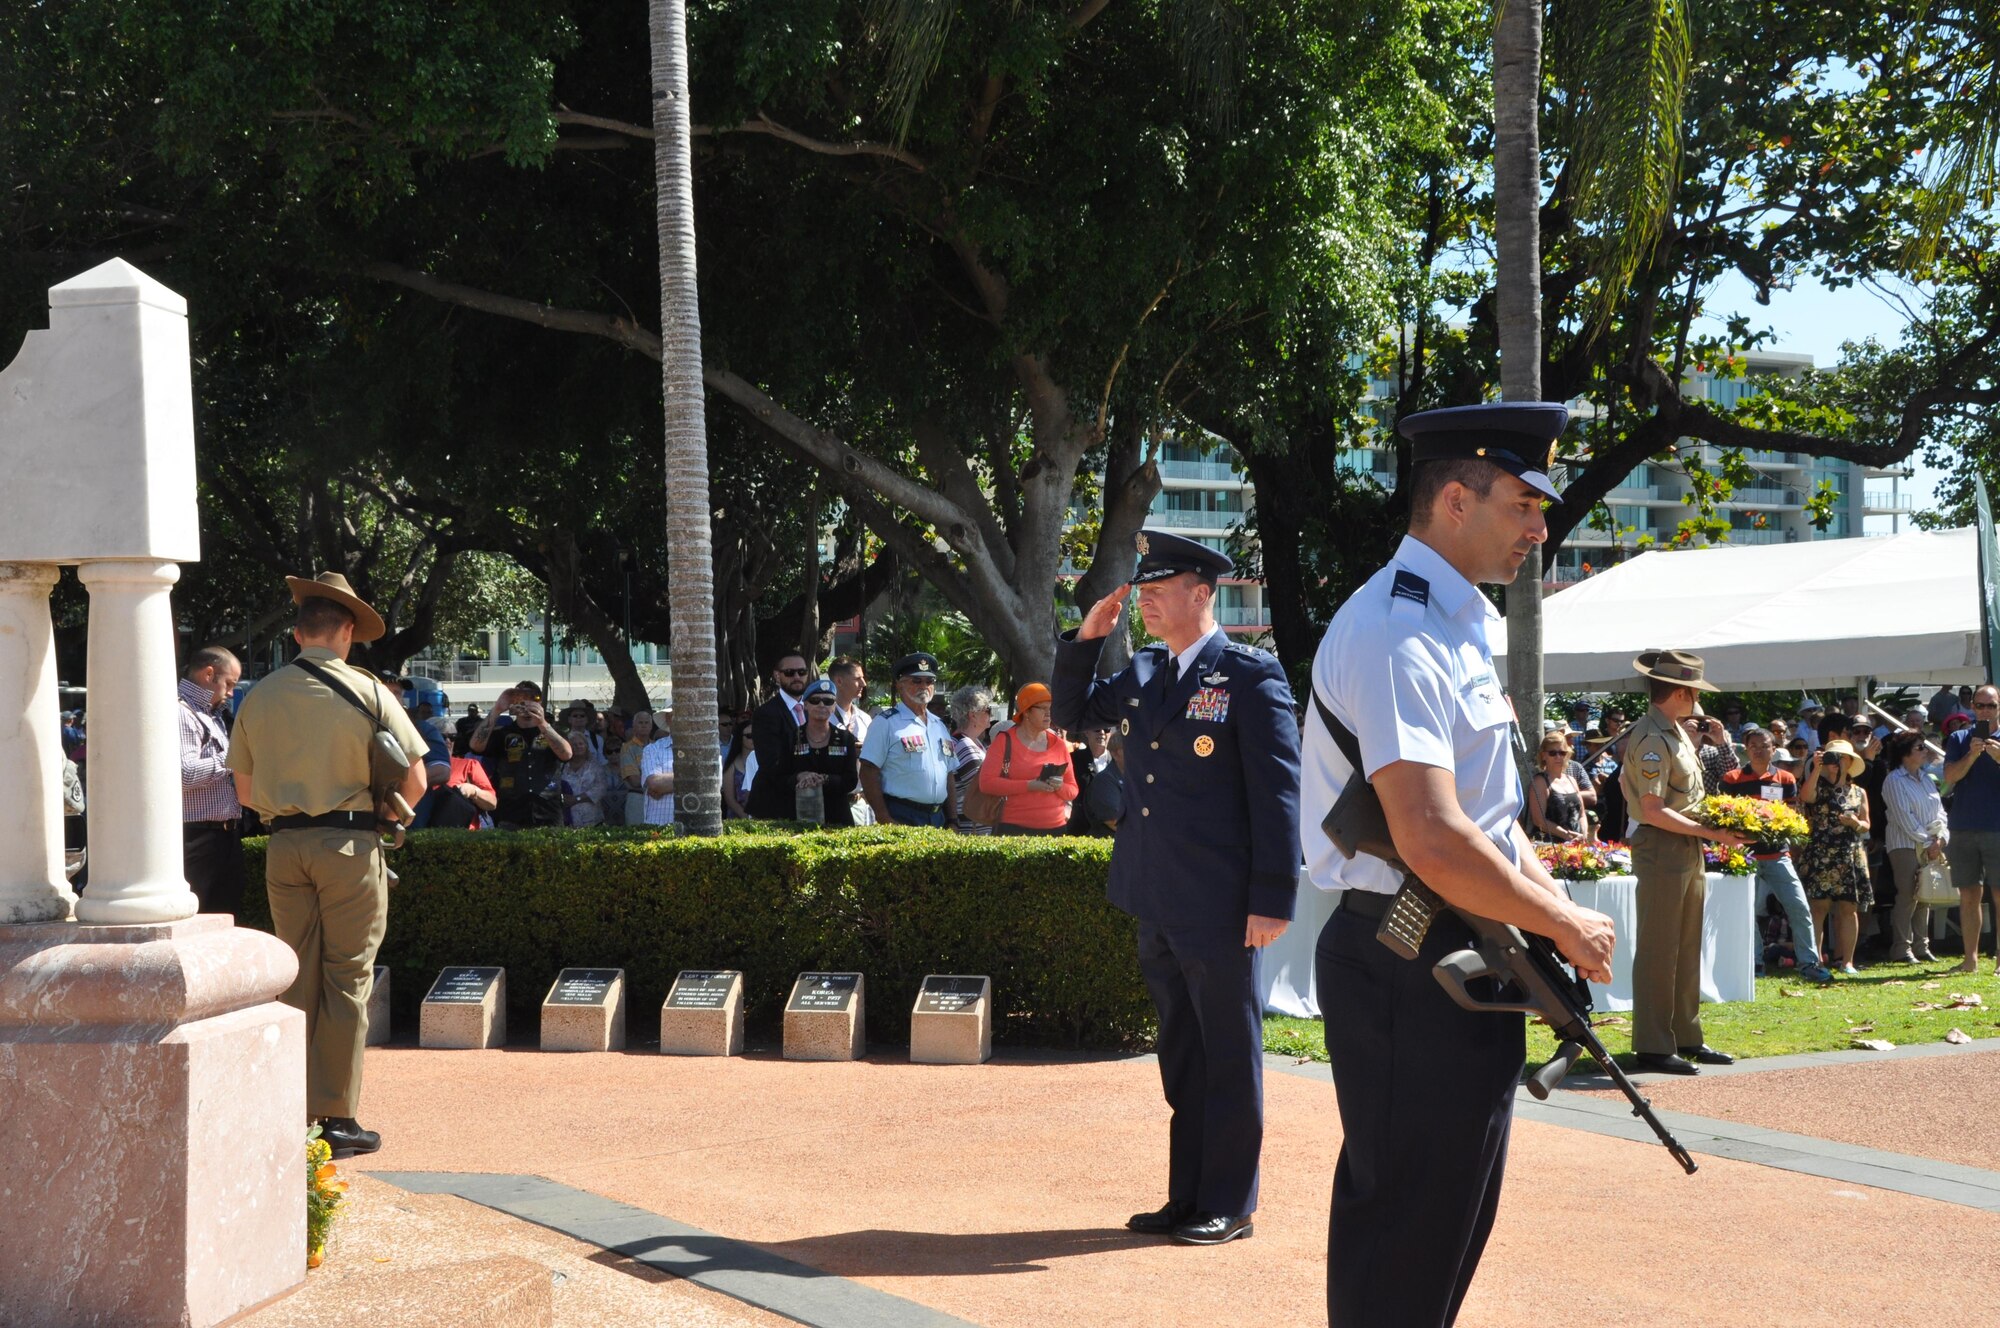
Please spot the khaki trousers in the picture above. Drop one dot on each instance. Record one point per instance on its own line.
(1666, 954)
(330, 903)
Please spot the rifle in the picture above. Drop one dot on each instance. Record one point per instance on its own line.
(1530, 973)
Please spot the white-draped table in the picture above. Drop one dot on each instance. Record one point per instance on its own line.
(1728, 943)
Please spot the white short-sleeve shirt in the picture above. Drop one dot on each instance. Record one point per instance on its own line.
(658, 759)
(1406, 666)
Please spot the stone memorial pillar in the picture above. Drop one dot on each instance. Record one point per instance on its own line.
(133, 789)
(33, 887)
(153, 1091)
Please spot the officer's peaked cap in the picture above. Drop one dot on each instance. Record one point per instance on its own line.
(1517, 436)
(1162, 555)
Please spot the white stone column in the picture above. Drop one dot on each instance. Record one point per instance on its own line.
(134, 790)
(33, 887)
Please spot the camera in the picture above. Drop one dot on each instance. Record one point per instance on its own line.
(1831, 760)
(1983, 730)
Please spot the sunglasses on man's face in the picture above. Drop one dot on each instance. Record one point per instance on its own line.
(791, 673)
(1986, 705)
(819, 700)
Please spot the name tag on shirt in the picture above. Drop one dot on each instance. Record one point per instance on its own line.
(1772, 792)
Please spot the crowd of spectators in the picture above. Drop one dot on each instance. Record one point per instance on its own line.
(1882, 799)
(803, 754)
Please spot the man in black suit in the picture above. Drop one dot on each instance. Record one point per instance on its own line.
(774, 726)
(1206, 857)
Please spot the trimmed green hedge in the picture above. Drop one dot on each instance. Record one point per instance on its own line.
(890, 902)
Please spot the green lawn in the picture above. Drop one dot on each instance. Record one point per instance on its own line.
(1788, 1016)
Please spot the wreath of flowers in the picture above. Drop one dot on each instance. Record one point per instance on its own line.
(1578, 860)
(1768, 825)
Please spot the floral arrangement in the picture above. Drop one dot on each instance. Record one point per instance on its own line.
(1763, 823)
(323, 1196)
(1728, 861)
(1578, 860)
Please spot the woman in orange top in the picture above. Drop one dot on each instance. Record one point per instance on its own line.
(1029, 765)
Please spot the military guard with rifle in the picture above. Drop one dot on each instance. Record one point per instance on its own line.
(1403, 684)
(328, 757)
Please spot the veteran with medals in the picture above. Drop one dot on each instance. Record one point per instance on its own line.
(1661, 779)
(1205, 857)
(1405, 697)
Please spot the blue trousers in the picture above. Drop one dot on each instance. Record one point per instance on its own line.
(1777, 876)
(1426, 1093)
(1211, 1049)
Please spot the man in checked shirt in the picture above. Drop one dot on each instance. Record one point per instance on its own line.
(211, 818)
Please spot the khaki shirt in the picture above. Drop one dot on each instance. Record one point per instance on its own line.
(1660, 760)
(304, 748)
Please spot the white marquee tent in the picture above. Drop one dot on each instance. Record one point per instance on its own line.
(1765, 617)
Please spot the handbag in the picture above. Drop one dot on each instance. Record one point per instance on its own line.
(981, 807)
(1934, 887)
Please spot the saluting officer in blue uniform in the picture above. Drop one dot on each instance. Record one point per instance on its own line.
(1206, 857)
(1426, 1089)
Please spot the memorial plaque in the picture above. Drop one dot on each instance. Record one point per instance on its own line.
(583, 986)
(826, 1018)
(585, 1011)
(949, 995)
(703, 1014)
(703, 989)
(463, 986)
(824, 991)
(952, 1020)
(466, 1008)
(378, 1008)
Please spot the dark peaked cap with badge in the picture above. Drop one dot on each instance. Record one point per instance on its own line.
(1162, 555)
(1517, 436)
(1673, 666)
(916, 666)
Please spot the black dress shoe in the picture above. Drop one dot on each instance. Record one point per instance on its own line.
(1212, 1229)
(1707, 1055)
(1662, 1062)
(346, 1137)
(1162, 1222)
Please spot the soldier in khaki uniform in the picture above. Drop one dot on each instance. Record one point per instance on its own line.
(1661, 780)
(299, 752)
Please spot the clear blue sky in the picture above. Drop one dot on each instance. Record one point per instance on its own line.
(1813, 320)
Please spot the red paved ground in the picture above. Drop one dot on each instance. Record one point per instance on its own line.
(1946, 1107)
(997, 1192)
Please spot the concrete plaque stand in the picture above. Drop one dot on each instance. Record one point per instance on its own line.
(154, 1096)
(826, 1018)
(703, 1014)
(952, 1021)
(379, 1023)
(585, 1011)
(465, 1010)
(152, 1092)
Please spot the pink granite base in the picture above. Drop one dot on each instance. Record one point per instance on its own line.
(154, 1104)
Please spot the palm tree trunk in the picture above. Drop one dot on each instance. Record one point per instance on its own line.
(690, 565)
(1517, 201)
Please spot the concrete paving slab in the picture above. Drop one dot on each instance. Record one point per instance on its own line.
(996, 1194)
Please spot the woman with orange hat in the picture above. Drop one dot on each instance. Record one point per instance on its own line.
(1029, 765)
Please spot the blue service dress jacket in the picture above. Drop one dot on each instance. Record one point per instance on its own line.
(1210, 830)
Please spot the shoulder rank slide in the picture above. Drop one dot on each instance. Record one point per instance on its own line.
(1411, 587)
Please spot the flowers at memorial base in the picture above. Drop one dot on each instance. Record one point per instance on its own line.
(1728, 861)
(325, 1193)
(1581, 860)
(1764, 823)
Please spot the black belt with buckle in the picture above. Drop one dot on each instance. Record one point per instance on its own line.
(925, 807)
(1368, 903)
(326, 821)
(209, 825)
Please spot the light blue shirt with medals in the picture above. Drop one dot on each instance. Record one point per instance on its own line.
(913, 752)
(1406, 666)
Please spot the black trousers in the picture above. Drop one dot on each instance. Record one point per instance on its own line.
(1426, 1093)
(213, 856)
(1211, 1049)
